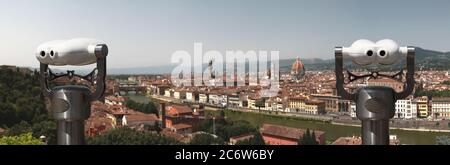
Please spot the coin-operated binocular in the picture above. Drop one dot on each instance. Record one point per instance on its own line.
(70, 105)
(375, 105)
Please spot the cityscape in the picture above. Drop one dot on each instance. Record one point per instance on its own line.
(127, 90)
(151, 103)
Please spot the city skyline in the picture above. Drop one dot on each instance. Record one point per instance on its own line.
(146, 33)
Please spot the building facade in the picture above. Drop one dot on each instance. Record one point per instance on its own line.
(404, 109)
(440, 108)
(422, 106)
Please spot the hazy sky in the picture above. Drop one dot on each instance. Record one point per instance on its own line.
(147, 32)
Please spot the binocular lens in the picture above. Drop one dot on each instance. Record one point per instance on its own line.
(382, 53)
(369, 53)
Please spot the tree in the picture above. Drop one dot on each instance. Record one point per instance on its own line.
(20, 98)
(128, 136)
(226, 129)
(260, 103)
(24, 139)
(156, 127)
(148, 108)
(256, 140)
(222, 114)
(205, 139)
(442, 140)
(308, 138)
(47, 129)
(19, 129)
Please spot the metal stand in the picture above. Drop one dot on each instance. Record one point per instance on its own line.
(375, 132)
(70, 105)
(70, 132)
(375, 105)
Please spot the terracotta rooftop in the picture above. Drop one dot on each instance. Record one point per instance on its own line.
(315, 102)
(358, 141)
(141, 117)
(243, 136)
(283, 131)
(181, 126)
(177, 136)
(441, 99)
(298, 98)
(114, 98)
(348, 141)
(178, 109)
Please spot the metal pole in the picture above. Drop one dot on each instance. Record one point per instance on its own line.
(214, 125)
(70, 132)
(374, 107)
(375, 132)
(70, 105)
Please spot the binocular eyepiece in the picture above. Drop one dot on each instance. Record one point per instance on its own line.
(70, 104)
(375, 105)
(385, 52)
(80, 51)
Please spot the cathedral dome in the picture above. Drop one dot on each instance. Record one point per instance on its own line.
(297, 66)
(298, 69)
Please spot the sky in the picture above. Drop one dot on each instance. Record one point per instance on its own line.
(143, 33)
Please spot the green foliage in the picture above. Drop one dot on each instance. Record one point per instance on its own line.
(432, 59)
(226, 129)
(47, 129)
(44, 128)
(22, 109)
(20, 98)
(431, 94)
(24, 139)
(222, 114)
(156, 127)
(308, 138)
(442, 140)
(205, 139)
(256, 140)
(148, 108)
(19, 129)
(128, 136)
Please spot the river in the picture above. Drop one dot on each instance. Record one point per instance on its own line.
(138, 98)
(332, 131)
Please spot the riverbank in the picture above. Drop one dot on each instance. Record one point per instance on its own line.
(394, 128)
(332, 121)
(333, 131)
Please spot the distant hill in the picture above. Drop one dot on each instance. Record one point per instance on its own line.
(432, 59)
(425, 59)
(142, 70)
